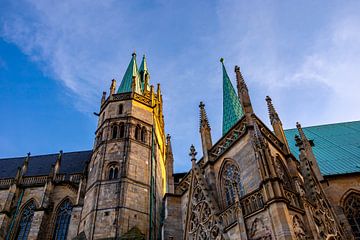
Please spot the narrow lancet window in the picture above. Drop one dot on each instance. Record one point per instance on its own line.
(25, 221)
(62, 221)
(121, 130)
(232, 183)
(114, 131)
(352, 212)
(143, 134)
(137, 132)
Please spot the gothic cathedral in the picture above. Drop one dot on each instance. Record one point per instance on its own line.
(254, 183)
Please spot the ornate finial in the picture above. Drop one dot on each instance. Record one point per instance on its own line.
(204, 122)
(28, 154)
(134, 53)
(168, 138)
(274, 117)
(301, 132)
(222, 60)
(192, 153)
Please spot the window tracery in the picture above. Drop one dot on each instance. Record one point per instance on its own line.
(232, 183)
(352, 212)
(113, 172)
(25, 221)
(282, 172)
(62, 221)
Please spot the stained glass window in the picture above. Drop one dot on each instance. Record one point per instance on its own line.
(62, 221)
(232, 183)
(352, 212)
(25, 221)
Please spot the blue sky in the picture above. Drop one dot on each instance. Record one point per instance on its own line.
(56, 58)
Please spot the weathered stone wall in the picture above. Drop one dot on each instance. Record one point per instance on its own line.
(173, 219)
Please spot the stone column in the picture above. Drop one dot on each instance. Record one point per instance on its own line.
(35, 225)
(74, 222)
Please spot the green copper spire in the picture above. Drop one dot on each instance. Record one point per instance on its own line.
(232, 110)
(143, 71)
(131, 71)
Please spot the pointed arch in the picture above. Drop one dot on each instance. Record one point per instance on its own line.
(351, 207)
(283, 172)
(25, 220)
(62, 219)
(230, 182)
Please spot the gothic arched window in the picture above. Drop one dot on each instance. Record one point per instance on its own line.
(352, 212)
(282, 173)
(113, 172)
(25, 221)
(121, 109)
(62, 221)
(137, 132)
(143, 134)
(231, 183)
(114, 132)
(121, 130)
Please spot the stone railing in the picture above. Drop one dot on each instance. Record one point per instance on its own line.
(6, 182)
(293, 198)
(60, 177)
(229, 138)
(75, 178)
(229, 215)
(34, 180)
(253, 202)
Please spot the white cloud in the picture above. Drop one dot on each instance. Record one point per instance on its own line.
(305, 57)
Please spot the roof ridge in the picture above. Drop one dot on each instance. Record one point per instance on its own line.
(41, 155)
(326, 124)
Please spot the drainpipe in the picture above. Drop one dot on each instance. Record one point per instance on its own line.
(16, 213)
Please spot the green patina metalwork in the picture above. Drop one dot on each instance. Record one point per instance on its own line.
(336, 146)
(126, 82)
(232, 110)
(143, 70)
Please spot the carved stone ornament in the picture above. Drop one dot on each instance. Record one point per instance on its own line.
(299, 228)
(203, 224)
(259, 231)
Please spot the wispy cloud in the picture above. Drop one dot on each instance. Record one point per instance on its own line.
(306, 57)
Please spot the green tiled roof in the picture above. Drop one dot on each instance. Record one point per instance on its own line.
(232, 110)
(131, 71)
(336, 146)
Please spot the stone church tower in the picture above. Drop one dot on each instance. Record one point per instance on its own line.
(128, 173)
